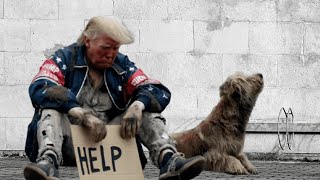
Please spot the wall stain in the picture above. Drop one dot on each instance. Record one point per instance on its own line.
(231, 3)
(317, 78)
(312, 59)
(244, 61)
(244, 57)
(213, 25)
(214, 10)
(211, 12)
(197, 53)
(234, 3)
(167, 20)
(218, 25)
(227, 23)
(288, 9)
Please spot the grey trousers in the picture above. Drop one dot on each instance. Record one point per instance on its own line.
(54, 135)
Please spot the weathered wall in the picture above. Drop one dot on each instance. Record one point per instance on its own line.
(190, 45)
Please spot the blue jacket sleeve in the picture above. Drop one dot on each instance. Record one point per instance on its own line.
(153, 94)
(47, 89)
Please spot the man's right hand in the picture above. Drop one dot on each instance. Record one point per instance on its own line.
(97, 127)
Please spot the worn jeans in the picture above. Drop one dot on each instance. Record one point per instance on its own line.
(54, 135)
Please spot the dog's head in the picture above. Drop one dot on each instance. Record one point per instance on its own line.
(242, 89)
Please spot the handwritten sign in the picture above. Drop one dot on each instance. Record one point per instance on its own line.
(113, 158)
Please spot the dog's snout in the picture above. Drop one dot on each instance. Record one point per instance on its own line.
(260, 75)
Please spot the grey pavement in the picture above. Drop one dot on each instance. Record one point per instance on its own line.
(12, 168)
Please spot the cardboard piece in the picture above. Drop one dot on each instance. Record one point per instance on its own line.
(113, 158)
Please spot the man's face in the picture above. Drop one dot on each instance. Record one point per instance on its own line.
(101, 51)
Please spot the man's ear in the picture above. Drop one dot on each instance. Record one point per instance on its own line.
(87, 41)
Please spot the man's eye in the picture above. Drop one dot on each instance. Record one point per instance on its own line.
(105, 47)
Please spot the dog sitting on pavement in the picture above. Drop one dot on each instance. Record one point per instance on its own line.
(220, 137)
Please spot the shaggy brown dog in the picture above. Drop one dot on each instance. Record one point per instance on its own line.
(220, 137)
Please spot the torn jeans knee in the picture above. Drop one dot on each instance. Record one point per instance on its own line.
(154, 136)
(49, 134)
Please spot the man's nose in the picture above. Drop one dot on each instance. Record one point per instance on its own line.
(109, 54)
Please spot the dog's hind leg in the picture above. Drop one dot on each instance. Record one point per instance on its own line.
(214, 161)
(247, 164)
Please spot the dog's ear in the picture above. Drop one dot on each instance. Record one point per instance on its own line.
(237, 90)
(223, 88)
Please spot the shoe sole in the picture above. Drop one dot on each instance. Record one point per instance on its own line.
(189, 171)
(32, 172)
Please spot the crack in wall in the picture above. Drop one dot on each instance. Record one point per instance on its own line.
(3, 9)
(302, 50)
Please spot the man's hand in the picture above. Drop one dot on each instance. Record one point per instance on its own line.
(77, 112)
(97, 127)
(131, 121)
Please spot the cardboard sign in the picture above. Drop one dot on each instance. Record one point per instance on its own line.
(113, 158)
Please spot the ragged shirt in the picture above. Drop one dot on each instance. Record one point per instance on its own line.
(95, 100)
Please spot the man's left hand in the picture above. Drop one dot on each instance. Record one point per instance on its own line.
(131, 121)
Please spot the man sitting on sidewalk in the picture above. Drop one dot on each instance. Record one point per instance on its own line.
(91, 84)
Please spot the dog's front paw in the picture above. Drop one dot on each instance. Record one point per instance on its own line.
(237, 169)
(252, 170)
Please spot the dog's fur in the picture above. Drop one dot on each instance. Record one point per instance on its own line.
(220, 137)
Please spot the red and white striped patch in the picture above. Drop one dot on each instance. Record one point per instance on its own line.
(50, 70)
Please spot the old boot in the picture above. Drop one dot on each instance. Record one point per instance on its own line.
(46, 168)
(177, 167)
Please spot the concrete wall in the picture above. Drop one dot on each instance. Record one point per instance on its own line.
(190, 45)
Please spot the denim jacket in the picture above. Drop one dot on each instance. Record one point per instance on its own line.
(68, 67)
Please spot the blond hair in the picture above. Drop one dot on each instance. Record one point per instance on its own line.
(111, 26)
